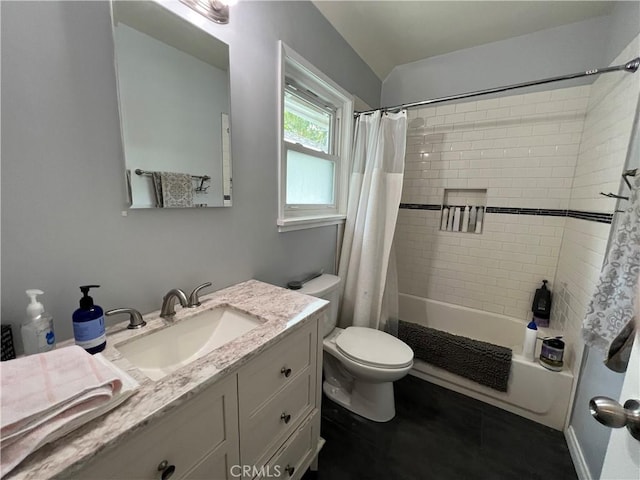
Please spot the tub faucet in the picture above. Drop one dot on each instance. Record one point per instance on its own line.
(169, 302)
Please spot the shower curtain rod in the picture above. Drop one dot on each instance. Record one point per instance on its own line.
(631, 66)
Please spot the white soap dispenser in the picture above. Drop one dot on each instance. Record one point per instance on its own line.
(37, 328)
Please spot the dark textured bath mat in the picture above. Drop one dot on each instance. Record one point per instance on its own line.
(481, 362)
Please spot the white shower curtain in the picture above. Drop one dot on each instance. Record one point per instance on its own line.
(372, 211)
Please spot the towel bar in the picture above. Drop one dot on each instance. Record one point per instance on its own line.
(147, 173)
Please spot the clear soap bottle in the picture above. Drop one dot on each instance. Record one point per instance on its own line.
(37, 329)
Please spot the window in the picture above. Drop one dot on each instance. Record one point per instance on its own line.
(315, 129)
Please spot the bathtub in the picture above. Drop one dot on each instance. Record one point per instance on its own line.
(533, 391)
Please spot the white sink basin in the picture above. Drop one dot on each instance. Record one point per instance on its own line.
(166, 350)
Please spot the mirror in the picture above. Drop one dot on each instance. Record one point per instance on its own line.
(173, 95)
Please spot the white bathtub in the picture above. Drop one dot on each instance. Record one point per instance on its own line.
(533, 391)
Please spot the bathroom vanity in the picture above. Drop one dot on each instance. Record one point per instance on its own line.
(247, 409)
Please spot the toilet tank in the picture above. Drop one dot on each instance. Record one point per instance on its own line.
(327, 287)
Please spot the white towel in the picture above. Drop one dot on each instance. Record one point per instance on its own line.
(177, 190)
(611, 310)
(48, 395)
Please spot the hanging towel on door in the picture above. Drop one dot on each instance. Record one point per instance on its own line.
(176, 189)
(610, 315)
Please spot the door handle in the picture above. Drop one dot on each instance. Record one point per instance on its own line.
(611, 414)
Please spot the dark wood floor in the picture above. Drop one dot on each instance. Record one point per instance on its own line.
(438, 434)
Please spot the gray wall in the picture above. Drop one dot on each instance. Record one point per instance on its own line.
(624, 27)
(62, 174)
(556, 51)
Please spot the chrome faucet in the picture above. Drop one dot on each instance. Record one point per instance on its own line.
(169, 302)
(194, 300)
(135, 319)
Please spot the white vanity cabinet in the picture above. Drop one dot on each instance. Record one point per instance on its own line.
(263, 421)
(199, 439)
(278, 395)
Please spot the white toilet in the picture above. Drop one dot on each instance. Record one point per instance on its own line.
(360, 364)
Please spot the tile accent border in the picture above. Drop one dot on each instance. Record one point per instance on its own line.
(590, 216)
(420, 206)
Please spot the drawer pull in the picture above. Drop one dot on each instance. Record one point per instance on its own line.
(285, 371)
(286, 417)
(166, 469)
(168, 472)
(289, 469)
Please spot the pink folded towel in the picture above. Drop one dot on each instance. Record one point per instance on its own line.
(45, 392)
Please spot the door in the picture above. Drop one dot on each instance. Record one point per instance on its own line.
(622, 460)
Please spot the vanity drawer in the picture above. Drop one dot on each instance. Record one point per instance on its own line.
(291, 461)
(276, 368)
(216, 466)
(183, 438)
(269, 426)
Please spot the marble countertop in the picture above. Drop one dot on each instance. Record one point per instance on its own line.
(281, 311)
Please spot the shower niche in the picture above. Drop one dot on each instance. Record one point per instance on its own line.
(463, 210)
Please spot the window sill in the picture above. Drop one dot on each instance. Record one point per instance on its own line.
(301, 223)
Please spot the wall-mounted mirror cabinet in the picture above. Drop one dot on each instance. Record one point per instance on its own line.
(173, 91)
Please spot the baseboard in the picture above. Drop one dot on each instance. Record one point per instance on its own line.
(582, 470)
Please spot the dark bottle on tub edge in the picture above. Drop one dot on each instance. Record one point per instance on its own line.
(541, 306)
(88, 323)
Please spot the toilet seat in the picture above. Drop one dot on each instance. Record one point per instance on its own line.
(374, 348)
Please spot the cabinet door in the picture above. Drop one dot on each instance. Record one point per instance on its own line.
(182, 438)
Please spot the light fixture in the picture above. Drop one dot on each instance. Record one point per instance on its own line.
(216, 10)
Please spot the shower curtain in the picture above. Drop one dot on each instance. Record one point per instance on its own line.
(372, 210)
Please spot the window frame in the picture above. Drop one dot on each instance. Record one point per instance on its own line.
(296, 73)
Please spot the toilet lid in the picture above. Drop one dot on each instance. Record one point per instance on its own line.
(373, 347)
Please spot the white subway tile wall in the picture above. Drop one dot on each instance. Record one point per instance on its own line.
(477, 197)
(523, 150)
(497, 271)
(601, 159)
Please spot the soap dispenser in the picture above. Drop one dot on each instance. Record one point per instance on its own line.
(88, 323)
(37, 328)
(541, 306)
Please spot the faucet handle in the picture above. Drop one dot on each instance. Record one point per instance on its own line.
(135, 318)
(194, 300)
